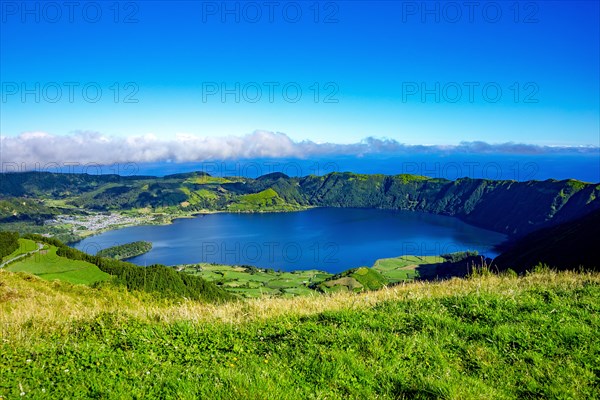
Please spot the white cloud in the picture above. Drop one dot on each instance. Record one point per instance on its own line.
(93, 147)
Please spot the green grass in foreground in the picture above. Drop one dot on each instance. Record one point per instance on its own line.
(487, 337)
(48, 265)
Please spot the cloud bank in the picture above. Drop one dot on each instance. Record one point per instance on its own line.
(93, 147)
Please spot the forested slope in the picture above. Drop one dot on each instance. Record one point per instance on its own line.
(511, 207)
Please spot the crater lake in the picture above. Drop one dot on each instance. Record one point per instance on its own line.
(328, 239)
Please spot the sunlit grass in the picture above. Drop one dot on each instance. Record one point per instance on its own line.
(25, 246)
(48, 265)
(488, 336)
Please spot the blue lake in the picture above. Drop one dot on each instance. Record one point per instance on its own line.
(330, 239)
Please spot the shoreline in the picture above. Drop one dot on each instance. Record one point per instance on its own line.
(168, 219)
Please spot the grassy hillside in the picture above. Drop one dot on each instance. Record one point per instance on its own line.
(58, 261)
(16, 209)
(354, 280)
(24, 246)
(266, 200)
(492, 337)
(399, 269)
(48, 265)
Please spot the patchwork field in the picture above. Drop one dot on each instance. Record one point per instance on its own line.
(399, 269)
(256, 282)
(249, 281)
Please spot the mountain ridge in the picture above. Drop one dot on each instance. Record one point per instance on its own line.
(507, 206)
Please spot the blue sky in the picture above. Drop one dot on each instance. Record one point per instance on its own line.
(371, 60)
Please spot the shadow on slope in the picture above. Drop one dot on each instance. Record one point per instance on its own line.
(570, 245)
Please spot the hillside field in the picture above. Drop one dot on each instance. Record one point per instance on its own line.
(25, 246)
(48, 265)
(486, 336)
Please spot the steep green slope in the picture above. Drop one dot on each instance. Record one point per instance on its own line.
(57, 185)
(503, 206)
(157, 279)
(15, 209)
(569, 245)
(24, 246)
(511, 207)
(49, 266)
(266, 200)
